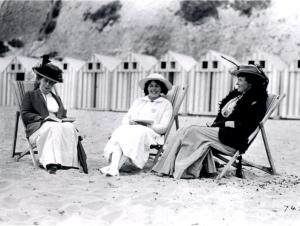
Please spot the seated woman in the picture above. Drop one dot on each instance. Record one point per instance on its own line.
(143, 125)
(191, 150)
(42, 112)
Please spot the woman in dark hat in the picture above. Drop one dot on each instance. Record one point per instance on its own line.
(43, 112)
(191, 151)
(143, 125)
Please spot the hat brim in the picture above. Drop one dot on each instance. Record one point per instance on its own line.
(45, 76)
(247, 70)
(143, 81)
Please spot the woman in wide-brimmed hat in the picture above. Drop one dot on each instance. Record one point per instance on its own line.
(143, 125)
(191, 151)
(44, 116)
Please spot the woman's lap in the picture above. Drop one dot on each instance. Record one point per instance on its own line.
(188, 150)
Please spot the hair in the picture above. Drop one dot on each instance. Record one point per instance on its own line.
(37, 81)
(163, 87)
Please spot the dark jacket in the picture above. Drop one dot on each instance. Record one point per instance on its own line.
(249, 111)
(34, 110)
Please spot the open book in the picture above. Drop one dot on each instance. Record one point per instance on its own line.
(54, 119)
(144, 122)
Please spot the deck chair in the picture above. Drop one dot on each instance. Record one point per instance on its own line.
(176, 97)
(273, 102)
(20, 88)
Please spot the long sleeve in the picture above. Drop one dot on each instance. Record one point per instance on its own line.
(162, 126)
(27, 112)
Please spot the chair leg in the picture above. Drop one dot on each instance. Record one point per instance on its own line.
(157, 155)
(226, 168)
(15, 134)
(32, 156)
(264, 136)
(239, 171)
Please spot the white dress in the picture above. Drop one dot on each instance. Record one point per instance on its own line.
(56, 142)
(135, 140)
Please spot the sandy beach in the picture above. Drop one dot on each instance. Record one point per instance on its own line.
(30, 196)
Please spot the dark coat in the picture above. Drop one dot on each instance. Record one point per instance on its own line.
(248, 113)
(34, 110)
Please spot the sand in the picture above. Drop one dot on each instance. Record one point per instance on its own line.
(30, 196)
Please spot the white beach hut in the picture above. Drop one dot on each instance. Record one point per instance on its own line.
(19, 68)
(209, 83)
(71, 73)
(274, 67)
(290, 107)
(95, 82)
(132, 68)
(6, 95)
(177, 68)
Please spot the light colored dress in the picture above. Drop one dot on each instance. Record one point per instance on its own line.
(135, 140)
(56, 142)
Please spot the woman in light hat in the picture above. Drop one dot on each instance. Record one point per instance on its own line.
(191, 151)
(143, 125)
(43, 114)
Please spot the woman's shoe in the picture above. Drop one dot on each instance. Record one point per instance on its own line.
(51, 168)
(112, 173)
(104, 170)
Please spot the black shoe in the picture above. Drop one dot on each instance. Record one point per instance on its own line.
(51, 168)
(240, 174)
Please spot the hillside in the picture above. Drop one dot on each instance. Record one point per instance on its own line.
(80, 28)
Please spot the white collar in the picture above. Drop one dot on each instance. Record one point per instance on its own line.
(146, 98)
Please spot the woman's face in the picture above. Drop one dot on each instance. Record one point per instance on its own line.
(242, 84)
(154, 90)
(46, 85)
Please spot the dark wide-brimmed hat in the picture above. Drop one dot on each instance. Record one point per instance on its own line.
(48, 70)
(155, 76)
(252, 71)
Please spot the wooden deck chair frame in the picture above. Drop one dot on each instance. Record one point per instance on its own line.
(273, 102)
(20, 88)
(176, 99)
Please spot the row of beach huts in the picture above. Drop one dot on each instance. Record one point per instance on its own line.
(111, 83)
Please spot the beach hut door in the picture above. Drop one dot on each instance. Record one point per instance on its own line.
(171, 77)
(95, 90)
(20, 76)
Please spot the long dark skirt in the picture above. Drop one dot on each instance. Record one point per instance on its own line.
(190, 151)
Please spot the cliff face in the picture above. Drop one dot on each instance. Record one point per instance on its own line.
(80, 28)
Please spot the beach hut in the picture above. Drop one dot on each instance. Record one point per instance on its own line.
(274, 67)
(17, 68)
(290, 107)
(5, 88)
(209, 83)
(95, 82)
(132, 68)
(68, 89)
(177, 68)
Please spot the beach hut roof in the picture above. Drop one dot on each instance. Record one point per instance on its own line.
(27, 62)
(108, 61)
(146, 61)
(74, 63)
(4, 62)
(276, 61)
(218, 55)
(187, 62)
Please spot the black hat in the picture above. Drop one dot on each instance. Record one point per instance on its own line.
(252, 70)
(48, 70)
